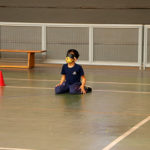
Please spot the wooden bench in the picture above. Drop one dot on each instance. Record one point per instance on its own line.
(31, 57)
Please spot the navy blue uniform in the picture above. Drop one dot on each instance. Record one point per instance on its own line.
(73, 80)
(73, 75)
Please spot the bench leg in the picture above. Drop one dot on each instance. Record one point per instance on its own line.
(30, 60)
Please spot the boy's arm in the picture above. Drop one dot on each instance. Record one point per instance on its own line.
(83, 79)
(63, 78)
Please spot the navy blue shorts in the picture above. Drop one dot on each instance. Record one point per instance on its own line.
(72, 89)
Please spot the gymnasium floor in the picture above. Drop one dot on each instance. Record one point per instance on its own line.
(32, 117)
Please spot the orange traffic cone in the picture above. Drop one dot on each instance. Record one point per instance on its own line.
(1, 79)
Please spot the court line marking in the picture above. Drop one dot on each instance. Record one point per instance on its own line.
(100, 82)
(31, 79)
(27, 87)
(3, 148)
(116, 91)
(119, 83)
(113, 91)
(130, 131)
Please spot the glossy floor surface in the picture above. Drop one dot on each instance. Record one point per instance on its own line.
(33, 117)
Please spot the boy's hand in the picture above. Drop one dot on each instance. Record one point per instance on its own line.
(63, 77)
(59, 84)
(82, 89)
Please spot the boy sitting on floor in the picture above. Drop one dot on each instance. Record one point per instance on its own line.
(73, 79)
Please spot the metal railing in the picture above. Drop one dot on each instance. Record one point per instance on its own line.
(146, 52)
(98, 44)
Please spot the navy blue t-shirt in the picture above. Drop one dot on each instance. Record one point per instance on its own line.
(73, 74)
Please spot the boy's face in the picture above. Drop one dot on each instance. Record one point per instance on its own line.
(70, 58)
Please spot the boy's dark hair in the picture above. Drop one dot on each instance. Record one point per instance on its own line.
(76, 53)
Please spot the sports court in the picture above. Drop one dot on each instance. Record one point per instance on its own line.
(113, 40)
(33, 117)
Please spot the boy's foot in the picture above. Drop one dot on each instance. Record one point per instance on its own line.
(88, 89)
